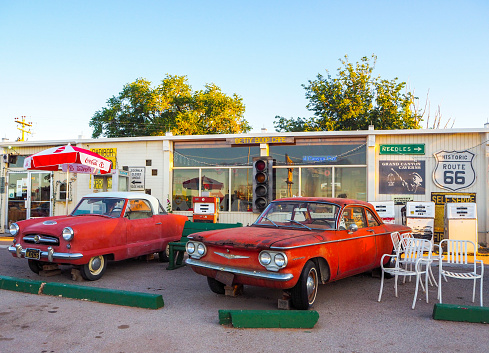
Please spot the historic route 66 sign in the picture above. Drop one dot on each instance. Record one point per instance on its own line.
(454, 170)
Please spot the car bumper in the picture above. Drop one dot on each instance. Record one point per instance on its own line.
(265, 275)
(49, 255)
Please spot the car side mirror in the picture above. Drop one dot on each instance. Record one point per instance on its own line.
(352, 228)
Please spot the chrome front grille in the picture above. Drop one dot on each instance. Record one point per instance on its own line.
(41, 239)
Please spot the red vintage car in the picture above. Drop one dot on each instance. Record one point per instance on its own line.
(103, 226)
(294, 245)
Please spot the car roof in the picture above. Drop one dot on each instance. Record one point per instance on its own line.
(128, 195)
(336, 200)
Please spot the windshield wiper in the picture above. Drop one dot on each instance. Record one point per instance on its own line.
(268, 219)
(294, 221)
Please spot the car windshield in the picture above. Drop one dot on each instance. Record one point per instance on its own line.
(306, 215)
(111, 207)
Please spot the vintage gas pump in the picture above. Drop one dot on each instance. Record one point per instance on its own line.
(206, 209)
(420, 216)
(461, 221)
(385, 210)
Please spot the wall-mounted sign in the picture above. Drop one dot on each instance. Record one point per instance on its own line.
(136, 178)
(402, 177)
(417, 148)
(109, 153)
(440, 199)
(454, 170)
(319, 159)
(258, 140)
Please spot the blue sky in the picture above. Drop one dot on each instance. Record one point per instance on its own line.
(61, 60)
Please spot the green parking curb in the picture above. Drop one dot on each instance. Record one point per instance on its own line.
(269, 318)
(451, 312)
(104, 295)
(20, 284)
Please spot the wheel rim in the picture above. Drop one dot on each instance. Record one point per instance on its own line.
(311, 285)
(96, 265)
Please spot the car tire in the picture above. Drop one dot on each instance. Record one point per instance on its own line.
(215, 286)
(304, 293)
(95, 268)
(164, 256)
(35, 266)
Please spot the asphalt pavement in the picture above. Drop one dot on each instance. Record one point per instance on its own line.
(350, 318)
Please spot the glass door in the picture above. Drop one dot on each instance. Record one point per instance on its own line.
(29, 195)
(39, 202)
(17, 197)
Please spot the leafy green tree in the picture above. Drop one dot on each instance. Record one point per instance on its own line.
(354, 100)
(140, 110)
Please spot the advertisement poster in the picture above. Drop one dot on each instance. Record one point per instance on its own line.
(440, 199)
(402, 177)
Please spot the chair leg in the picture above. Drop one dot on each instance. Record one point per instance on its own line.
(481, 291)
(473, 290)
(395, 284)
(439, 287)
(426, 281)
(416, 291)
(381, 286)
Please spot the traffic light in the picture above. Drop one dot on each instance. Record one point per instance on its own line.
(262, 183)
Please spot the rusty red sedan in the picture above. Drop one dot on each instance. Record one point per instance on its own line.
(294, 245)
(103, 226)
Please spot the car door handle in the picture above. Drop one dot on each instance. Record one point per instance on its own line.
(371, 230)
(159, 223)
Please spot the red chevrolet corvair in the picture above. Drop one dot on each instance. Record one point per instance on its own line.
(294, 245)
(103, 226)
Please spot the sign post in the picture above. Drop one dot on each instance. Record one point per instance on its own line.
(136, 178)
(415, 148)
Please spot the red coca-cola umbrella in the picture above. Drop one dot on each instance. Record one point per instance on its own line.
(206, 184)
(68, 158)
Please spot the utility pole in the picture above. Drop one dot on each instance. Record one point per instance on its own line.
(24, 124)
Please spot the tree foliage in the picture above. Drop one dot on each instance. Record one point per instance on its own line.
(354, 100)
(140, 110)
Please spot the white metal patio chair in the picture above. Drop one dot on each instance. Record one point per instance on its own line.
(410, 253)
(434, 258)
(456, 264)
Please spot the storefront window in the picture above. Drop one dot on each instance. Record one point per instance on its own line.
(286, 182)
(184, 189)
(202, 156)
(316, 182)
(241, 189)
(215, 183)
(351, 183)
(319, 152)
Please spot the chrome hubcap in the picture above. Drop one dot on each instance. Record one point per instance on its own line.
(311, 286)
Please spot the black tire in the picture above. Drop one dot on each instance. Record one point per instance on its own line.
(164, 256)
(215, 286)
(95, 268)
(304, 293)
(35, 266)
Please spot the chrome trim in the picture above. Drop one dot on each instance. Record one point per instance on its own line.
(282, 277)
(325, 242)
(49, 223)
(39, 238)
(50, 255)
(231, 256)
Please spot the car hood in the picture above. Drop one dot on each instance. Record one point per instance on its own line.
(258, 237)
(54, 225)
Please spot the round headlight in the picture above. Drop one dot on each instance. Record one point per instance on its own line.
(265, 258)
(201, 249)
(14, 229)
(279, 260)
(190, 248)
(68, 234)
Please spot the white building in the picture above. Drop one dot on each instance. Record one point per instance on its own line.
(440, 165)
